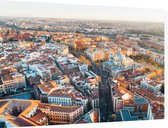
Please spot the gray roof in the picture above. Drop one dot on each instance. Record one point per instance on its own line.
(140, 100)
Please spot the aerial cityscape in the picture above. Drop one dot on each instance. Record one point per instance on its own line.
(67, 71)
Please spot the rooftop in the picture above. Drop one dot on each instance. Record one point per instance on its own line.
(58, 108)
(140, 100)
(23, 121)
(126, 116)
(149, 95)
(39, 115)
(67, 93)
(7, 77)
(90, 117)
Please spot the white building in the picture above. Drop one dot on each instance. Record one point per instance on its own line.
(150, 85)
(67, 97)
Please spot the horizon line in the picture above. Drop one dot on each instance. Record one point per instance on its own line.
(84, 19)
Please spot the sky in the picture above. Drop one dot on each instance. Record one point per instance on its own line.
(19, 8)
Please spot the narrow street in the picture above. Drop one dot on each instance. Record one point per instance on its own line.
(105, 99)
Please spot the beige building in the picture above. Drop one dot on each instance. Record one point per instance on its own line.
(61, 114)
(10, 82)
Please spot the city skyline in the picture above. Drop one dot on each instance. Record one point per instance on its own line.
(69, 11)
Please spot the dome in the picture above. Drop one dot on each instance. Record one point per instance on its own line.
(119, 57)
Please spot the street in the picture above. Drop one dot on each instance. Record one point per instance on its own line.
(105, 99)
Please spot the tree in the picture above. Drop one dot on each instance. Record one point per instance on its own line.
(3, 125)
(58, 41)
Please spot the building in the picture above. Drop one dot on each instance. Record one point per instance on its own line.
(87, 83)
(59, 49)
(11, 81)
(93, 116)
(126, 116)
(150, 85)
(61, 114)
(42, 90)
(94, 98)
(67, 97)
(60, 96)
(19, 112)
(95, 54)
(149, 95)
(118, 103)
(40, 118)
(141, 104)
(68, 64)
(45, 67)
(118, 63)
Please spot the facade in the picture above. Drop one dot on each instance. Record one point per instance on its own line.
(93, 116)
(94, 102)
(67, 97)
(61, 114)
(150, 85)
(10, 82)
(118, 103)
(95, 54)
(40, 118)
(141, 104)
(42, 90)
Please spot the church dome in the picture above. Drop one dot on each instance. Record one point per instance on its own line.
(119, 56)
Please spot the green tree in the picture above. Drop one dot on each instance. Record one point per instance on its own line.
(3, 125)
